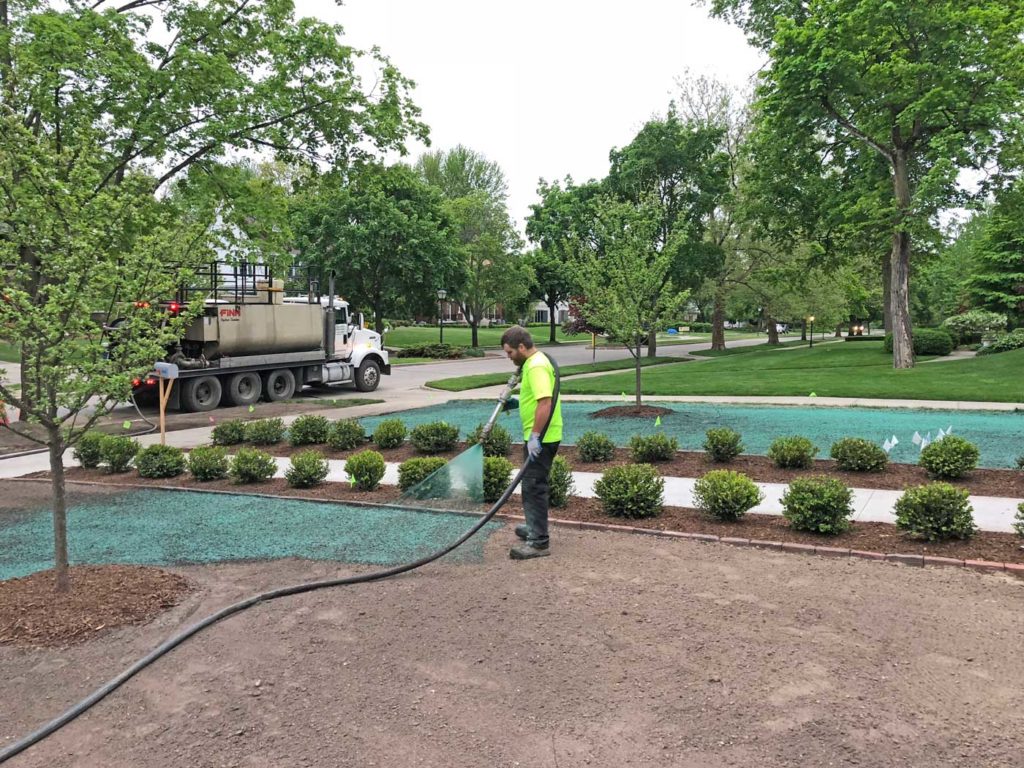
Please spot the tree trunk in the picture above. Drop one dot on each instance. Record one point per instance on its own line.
(839, 331)
(718, 322)
(473, 329)
(773, 331)
(60, 519)
(378, 319)
(637, 361)
(652, 343)
(551, 319)
(899, 287)
(887, 293)
(803, 330)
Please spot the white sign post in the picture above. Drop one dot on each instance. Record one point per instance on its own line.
(166, 372)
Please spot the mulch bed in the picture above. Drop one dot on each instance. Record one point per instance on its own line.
(631, 411)
(102, 597)
(872, 537)
(980, 482)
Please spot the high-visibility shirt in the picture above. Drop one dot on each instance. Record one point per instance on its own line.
(538, 382)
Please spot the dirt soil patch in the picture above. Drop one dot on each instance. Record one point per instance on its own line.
(631, 411)
(871, 537)
(616, 651)
(101, 598)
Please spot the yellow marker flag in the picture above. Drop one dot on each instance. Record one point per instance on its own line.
(252, 408)
(657, 421)
(127, 425)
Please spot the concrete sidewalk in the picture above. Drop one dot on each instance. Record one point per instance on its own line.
(991, 513)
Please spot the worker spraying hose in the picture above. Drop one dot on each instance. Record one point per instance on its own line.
(537, 406)
(531, 414)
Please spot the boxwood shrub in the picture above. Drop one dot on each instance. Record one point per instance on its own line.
(594, 446)
(792, 452)
(818, 504)
(309, 429)
(726, 495)
(854, 454)
(88, 450)
(950, 458)
(390, 433)
(252, 465)
(632, 490)
(657, 447)
(160, 461)
(414, 471)
(722, 444)
(936, 512)
(346, 434)
(435, 437)
(307, 469)
(366, 469)
(208, 462)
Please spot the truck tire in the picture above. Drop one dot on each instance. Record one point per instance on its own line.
(368, 376)
(244, 388)
(201, 393)
(278, 385)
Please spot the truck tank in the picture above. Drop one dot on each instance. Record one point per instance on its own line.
(263, 326)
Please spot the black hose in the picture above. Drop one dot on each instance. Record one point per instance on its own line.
(170, 644)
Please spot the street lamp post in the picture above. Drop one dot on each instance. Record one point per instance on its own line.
(811, 321)
(441, 295)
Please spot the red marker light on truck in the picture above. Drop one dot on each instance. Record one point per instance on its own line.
(136, 382)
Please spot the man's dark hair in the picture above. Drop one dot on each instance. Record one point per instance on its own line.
(515, 336)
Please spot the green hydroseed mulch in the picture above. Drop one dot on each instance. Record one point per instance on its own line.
(152, 527)
(998, 434)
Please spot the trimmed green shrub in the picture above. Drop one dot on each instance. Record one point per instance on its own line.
(252, 465)
(308, 468)
(160, 461)
(390, 433)
(435, 437)
(414, 471)
(936, 512)
(927, 341)
(632, 490)
(854, 454)
(1018, 521)
(117, 452)
(1020, 461)
(436, 351)
(723, 444)
(726, 495)
(208, 462)
(593, 446)
(229, 432)
(1005, 343)
(497, 443)
(792, 452)
(973, 324)
(657, 447)
(88, 450)
(818, 504)
(264, 431)
(497, 475)
(560, 482)
(346, 434)
(366, 469)
(309, 429)
(949, 458)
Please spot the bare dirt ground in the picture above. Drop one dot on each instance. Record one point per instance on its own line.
(617, 650)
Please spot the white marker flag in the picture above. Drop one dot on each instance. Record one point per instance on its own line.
(887, 446)
(894, 441)
(917, 438)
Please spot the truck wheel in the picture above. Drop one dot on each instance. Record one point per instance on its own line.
(201, 393)
(244, 388)
(278, 385)
(368, 376)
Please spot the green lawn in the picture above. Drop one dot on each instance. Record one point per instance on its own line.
(830, 370)
(461, 336)
(8, 353)
(730, 351)
(459, 383)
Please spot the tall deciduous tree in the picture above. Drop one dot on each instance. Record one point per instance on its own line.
(384, 233)
(552, 283)
(679, 168)
(998, 283)
(929, 88)
(628, 284)
(102, 105)
(461, 171)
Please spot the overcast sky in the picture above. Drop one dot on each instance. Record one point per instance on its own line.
(546, 89)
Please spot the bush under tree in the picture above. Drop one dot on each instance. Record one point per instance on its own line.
(208, 462)
(117, 452)
(88, 451)
(156, 461)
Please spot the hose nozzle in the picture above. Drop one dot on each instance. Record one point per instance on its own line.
(506, 393)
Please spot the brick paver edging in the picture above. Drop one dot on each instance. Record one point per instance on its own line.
(985, 566)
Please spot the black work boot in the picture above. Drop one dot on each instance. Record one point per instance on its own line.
(528, 551)
(523, 531)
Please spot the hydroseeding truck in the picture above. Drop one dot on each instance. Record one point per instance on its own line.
(252, 341)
